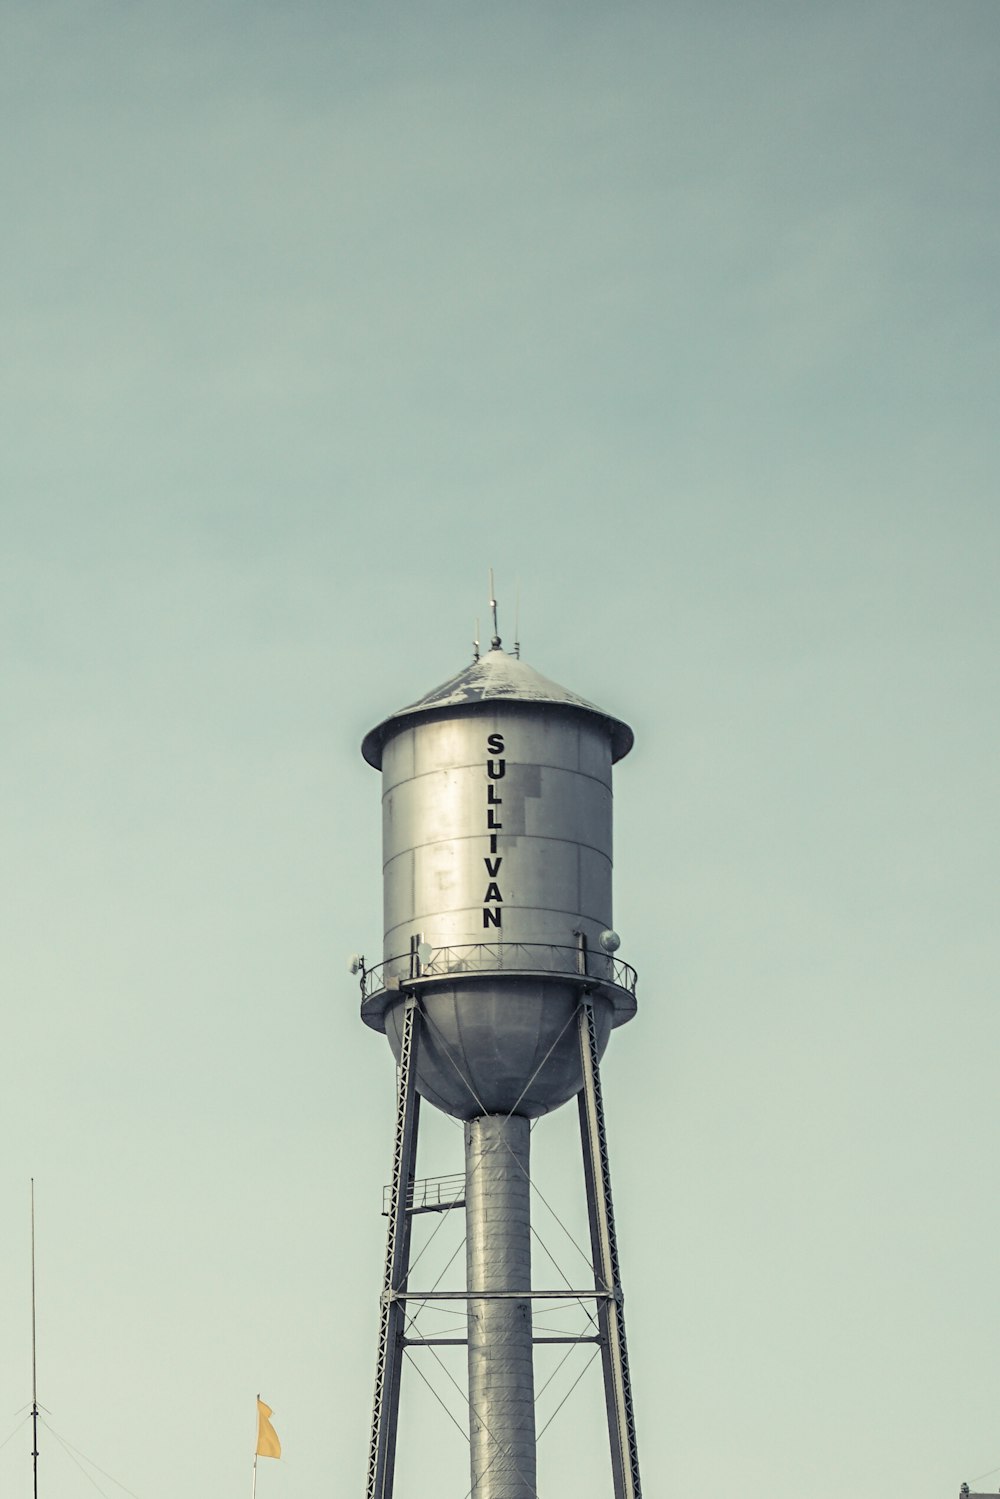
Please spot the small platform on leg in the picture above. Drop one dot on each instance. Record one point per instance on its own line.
(432, 1194)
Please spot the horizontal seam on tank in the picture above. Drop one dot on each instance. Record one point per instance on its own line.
(480, 765)
(434, 843)
(470, 837)
(508, 905)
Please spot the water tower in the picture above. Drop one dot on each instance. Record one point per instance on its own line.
(498, 991)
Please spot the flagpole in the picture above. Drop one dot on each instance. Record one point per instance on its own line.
(256, 1444)
(34, 1354)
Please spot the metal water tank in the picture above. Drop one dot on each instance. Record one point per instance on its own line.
(497, 865)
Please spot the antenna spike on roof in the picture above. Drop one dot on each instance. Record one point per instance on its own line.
(517, 621)
(495, 642)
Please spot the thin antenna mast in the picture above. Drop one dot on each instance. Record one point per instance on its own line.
(517, 622)
(495, 642)
(34, 1351)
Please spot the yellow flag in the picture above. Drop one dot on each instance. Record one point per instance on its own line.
(267, 1438)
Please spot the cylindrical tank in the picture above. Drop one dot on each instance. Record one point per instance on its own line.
(497, 848)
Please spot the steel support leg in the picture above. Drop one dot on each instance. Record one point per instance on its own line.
(611, 1312)
(389, 1365)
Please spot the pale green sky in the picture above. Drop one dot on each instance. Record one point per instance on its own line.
(684, 318)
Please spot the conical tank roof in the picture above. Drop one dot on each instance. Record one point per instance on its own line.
(495, 677)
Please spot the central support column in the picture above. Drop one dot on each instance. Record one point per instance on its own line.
(498, 1258)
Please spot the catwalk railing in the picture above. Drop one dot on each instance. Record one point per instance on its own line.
(499, 957)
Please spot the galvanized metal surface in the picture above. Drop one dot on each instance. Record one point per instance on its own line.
(497, 820)
(546, 833)
(496, 677)
(498, 1258)
(493, 1048)
(497, 825)
(494, 958)
(504, 998)
(498, 1290)
(432, 1194)
(564, 1293)
(607, 1276)
(389, 1358)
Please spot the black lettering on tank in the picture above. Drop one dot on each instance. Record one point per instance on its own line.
(496, 769)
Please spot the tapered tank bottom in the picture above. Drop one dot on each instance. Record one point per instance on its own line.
(499, 1043)
(498, 1258)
